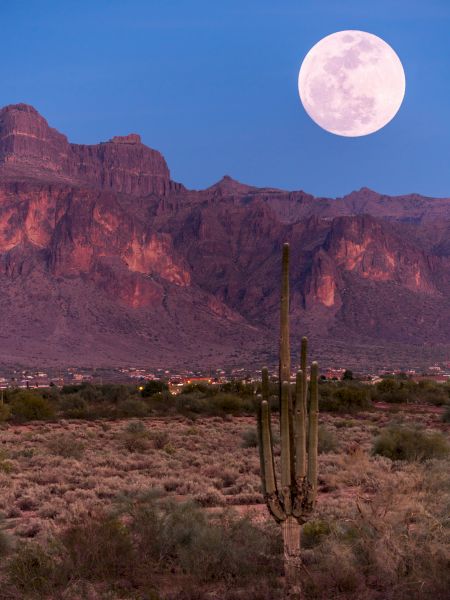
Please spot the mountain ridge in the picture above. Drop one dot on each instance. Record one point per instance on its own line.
(105, 259)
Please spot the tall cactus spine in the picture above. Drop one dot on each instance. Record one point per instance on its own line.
(291, 501)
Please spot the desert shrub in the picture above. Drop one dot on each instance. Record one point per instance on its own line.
(153, 387)
(313, 532)
(71, 388)
(162, 403)
(184, 537)
(204, 388)
(73, 406)
(397, 390)
(135, 427)
(91, 393)
(5, 412)
(31, 570)
(5, 543)
(411, 444)
(160, 439)
(115, 393)
(98, 550)
(66, 446)
(132, 407)
(250, 438)
(28, 406)
(344, 399)
(6, 466)
(241, 388)
(134, 442)
(328, 441)
(446, 415)
(230, 550)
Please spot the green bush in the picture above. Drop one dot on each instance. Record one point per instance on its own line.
(153, 387)
(229, 404)
(344, 398)
(313, 532)
(5, 412)
(28, 406)
(73, 406)
(133, 407)
(404, 443)
(397, 390)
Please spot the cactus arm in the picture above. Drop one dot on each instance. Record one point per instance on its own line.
(300, 431)
(270, 483)
(313, 434)
(303, 367)
(260, 442)
(269, 472)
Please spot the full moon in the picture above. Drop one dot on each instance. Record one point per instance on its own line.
(351, 83)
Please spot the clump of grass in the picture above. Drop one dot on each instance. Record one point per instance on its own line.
(250, 438)
(98, 550)
(328, 441)
(136, 427)
(134, 442)
(160, 439)
(66, 445)
(31, 570)
(6, 465)
(5, 543)
(410, 444)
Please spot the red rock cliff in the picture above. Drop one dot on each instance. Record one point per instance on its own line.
(123, 164)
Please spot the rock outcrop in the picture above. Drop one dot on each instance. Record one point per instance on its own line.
(105, 260)
(122, 164)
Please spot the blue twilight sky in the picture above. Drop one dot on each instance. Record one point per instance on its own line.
(213, 85)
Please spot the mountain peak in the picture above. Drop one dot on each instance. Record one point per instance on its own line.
(231, 186)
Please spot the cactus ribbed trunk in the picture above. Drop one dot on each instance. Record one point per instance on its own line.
(293, 500)
(292, 559)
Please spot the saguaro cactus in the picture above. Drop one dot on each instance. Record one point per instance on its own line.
(292, 499)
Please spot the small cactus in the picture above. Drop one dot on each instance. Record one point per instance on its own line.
(292, 500)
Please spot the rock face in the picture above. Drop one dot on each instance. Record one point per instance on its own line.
(123, 164)
(104, 260)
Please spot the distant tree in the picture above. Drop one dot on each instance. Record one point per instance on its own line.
(348, 375)
(153, 387)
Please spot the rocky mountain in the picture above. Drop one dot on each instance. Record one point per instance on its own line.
(104, 260)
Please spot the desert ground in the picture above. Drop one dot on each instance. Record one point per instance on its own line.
(391, 515)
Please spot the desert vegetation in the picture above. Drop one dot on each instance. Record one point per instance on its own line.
(86, 401)
(380, 528)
